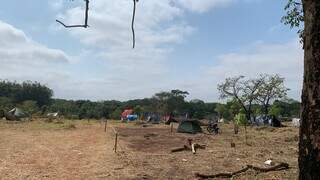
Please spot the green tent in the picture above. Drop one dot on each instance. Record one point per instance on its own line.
(189, 126)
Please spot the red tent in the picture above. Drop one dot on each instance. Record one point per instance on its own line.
(126, 112)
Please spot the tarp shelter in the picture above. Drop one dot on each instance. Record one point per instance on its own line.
(15, 114)
(267, 120)
(132, 117)
(53, 115)
(189, 126)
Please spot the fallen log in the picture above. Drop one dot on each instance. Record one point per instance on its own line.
(279, 167)
(184, 148)
(192, 148)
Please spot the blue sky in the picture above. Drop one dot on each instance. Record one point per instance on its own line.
(186, 44)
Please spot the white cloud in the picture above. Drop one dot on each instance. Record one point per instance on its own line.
(16, 47)
(24, 59)
(285, 59)
(201, 6)
(108, 68)
(56, 4)
(127, 73)
(124, 73)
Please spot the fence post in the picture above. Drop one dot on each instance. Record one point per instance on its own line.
(116, 143)
(171, 128)
(105, 125)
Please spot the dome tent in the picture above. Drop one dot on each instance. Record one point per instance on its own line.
(189, 126)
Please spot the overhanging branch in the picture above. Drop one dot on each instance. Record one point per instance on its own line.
(86, 17)
(132, 23)
(85, 25)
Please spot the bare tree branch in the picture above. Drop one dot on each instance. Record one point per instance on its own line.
(85, 25)
(86, 17)
(132, 23)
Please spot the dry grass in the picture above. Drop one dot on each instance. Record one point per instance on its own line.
(81, 150)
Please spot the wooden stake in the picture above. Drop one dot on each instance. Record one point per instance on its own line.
(171, 128)
(116, 143)
(193, 149)
(105, 125)
(245, 132)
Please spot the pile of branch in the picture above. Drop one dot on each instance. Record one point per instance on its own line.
(279, 167)
(190, 146)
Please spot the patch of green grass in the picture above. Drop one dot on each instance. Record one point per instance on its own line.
(40, 124)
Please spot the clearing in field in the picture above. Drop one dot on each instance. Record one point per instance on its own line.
(82, 150)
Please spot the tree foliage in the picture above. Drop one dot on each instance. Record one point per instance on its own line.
(252, 95)
(294, 16)
(12, 93)
(242, 90)
(271, 88)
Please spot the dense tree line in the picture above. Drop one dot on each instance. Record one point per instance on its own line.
(27, 95)
(36, 99)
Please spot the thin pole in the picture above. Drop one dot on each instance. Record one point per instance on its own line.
(105, 125)
(116, 143)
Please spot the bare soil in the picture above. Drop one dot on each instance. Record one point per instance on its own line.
(82, 150)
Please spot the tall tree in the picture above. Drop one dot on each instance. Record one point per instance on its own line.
(243, 91)
(309, 141)
(271, 88)
(309, 144)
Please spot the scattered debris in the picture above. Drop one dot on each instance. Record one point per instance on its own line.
(279, 167)
(221, 120)
(296, 122)
(269, 162)
(184, 160)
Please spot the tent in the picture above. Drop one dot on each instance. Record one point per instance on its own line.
(189, 126)
(267, 120)
(53, 115)
(125, 113)
(132, 117)
(153, 118)
(15, 114)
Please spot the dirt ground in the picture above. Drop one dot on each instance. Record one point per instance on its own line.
(82, 150)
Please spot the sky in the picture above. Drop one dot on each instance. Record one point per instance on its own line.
(191, 45)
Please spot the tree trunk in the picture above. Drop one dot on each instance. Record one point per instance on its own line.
(309, 143)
